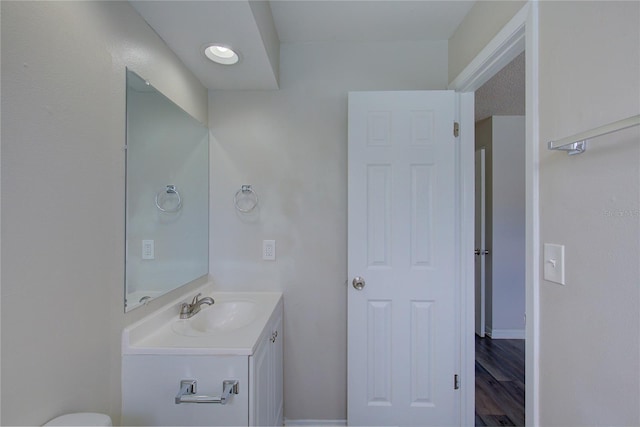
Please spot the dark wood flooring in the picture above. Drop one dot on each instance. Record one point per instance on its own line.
(499, 382)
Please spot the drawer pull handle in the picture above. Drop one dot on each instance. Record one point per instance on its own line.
(189, 388)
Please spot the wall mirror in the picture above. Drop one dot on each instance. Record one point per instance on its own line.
(167, 195)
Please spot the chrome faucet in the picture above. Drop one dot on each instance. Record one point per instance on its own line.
(188, 310)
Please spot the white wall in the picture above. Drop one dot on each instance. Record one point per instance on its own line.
(590, 328)
(63, 130)
(508, 211)
(481, 24)
(291, 145)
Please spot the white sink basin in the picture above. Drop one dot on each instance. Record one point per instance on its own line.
(231, 326)
(223, 316)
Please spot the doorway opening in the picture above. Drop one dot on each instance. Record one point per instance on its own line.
(519, 35)
(500, 247)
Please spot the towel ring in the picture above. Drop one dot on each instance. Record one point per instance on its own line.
(171, 189)
(250, 193)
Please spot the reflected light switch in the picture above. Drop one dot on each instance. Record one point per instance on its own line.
(554, 263)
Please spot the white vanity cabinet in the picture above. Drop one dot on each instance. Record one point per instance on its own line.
(154, 362)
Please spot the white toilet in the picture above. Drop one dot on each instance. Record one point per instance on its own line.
(81, 419)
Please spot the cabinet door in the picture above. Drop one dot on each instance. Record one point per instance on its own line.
(278, 373)
(266, 372)
(260, 388)
(150, 384)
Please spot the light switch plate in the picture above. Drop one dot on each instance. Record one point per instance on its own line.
(554, 263)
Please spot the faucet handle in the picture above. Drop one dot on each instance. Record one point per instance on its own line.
(195, 299)
(185, 309)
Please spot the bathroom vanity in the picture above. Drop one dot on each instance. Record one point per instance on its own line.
(223, 366)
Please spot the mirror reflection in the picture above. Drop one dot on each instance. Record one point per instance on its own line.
(167, 195)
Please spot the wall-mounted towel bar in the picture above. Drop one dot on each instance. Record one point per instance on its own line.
(577, 144)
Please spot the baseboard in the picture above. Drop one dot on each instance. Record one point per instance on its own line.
(505, 334)
(311, 423)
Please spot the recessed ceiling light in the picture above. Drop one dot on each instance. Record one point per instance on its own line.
(221, 54)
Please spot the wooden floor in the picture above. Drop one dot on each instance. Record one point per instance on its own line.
(499, 382)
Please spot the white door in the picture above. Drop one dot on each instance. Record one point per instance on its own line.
(480, 244)
(402, 332)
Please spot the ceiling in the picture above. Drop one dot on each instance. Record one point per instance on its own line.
(256, 29)
(361, 21)
(504, 93)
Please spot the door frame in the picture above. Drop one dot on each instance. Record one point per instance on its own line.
(518, 35)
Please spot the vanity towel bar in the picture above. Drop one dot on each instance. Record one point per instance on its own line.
(189, 388)
(577, 143)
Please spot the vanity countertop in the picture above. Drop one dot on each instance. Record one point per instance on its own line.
(162, 332)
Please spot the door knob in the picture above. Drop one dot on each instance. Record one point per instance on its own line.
(358, 283)
(481, 252)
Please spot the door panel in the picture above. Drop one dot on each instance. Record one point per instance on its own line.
(402, 206)
(480, 241)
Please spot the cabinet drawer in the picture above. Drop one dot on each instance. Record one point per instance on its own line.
(150, 384)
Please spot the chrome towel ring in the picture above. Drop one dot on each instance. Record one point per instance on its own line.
(170, 189)
(246, 193)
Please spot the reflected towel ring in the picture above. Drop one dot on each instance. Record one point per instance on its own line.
(171, 189)
(250, 193)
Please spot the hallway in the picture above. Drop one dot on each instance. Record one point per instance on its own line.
(499, 382)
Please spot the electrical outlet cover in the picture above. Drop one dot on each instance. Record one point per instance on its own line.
(269, 250)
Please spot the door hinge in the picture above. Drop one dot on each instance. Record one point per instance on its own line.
(456, 382)
(456, 129)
